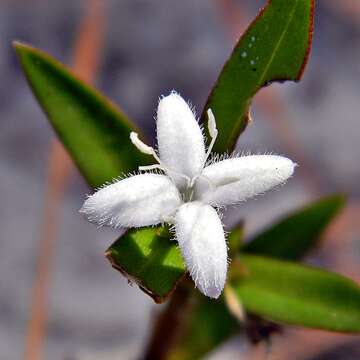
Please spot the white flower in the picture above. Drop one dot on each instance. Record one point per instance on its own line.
(188, 190)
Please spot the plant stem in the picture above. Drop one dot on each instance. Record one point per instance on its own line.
(168, 324)
(87, 51)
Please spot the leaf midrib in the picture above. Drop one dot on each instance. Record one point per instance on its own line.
(276, 48)
(318, 305)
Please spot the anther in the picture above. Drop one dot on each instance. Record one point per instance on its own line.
(145, 149)
(212, 124)
(142, 147)
(212, 131)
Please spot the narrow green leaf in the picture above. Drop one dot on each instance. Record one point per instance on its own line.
(92, 129)
(148, 257)
(291, 293)
(293, 236)
(96, 134)
(275, 47)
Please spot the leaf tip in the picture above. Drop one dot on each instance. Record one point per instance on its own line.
(20, 46)
(338, 200)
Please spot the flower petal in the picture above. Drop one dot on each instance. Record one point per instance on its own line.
(235, 180)
(180, 139)
(140, 200)
(202, 243)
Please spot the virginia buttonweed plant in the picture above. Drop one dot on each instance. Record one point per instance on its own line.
(186, 189)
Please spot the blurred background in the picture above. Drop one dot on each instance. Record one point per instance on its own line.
(52, 268)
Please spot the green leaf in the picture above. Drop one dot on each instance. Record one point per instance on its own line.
(96, 134)
(92, 129)
(275, 47)
(297, 233)
(148, 257)
(291, 293)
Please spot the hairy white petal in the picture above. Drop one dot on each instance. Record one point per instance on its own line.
(238, 179)
(202, 243)
(140, 200)
(180, 140)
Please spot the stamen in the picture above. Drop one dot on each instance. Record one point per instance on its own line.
(145, 149)
(166, 170)
(194, 179)
(191, 194)
(151, 167)
(212, 124)
(212, 131)
(134, 137)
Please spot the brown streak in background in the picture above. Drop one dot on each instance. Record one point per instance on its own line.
(89, 42)
(342, 238)
(291, 346)
(348, 8)
(86, 60)
(235, 18)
